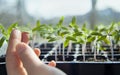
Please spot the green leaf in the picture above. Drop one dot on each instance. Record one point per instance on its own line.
(66, 42)
(38, 23)
(76, 30)
(42, 28)
(117, 39)
(96, 33)
(10, 28)
(60, 21)
(64, 28)
(102, 29)
(2, 29)
(96, 28)
(73, 23)
(64, 33)
(36, 29)
(101, 38)
(111, 27)
(71, 38)
(52, 39)
(78, 34)
(107, 41)
(74, 20)
(84, 27)
(80, 41)
(101, 48)
(90, 39)
(2, 41)
(59, 32)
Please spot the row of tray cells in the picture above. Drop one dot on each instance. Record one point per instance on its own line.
(57, 54)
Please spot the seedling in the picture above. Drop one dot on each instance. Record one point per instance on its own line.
(98, 37)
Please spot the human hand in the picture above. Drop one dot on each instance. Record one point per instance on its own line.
(22, 60)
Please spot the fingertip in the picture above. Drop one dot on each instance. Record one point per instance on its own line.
(52, 63)
(25, 37)
(15, 34)
(15, 38)
(37, 51)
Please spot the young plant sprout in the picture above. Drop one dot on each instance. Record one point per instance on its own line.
(95, 39)
(62, 31)
(6, 33)
(85, 32)
(113, 32)
(41, 30)
(99, 37)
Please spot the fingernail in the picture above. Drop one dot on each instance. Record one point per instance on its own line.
(15, 33)
(25, 37)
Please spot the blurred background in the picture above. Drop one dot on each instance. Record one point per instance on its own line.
(92, 12)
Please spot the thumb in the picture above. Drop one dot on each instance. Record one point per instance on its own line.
(32, 63)
(27, 56)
